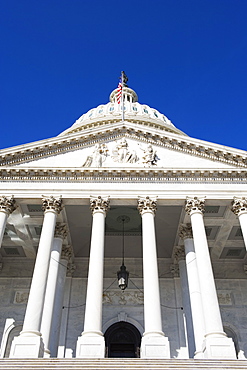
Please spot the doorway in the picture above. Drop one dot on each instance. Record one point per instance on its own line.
(122, 340)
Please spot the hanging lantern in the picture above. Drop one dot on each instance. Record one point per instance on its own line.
(123, 274)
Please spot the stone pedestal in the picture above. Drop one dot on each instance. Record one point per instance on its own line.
(155, 346)
(90, 345)
(27, 347)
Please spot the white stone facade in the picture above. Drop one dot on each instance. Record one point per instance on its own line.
(61, 205)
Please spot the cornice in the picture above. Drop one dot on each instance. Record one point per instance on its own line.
(116, 175)
(144, 133)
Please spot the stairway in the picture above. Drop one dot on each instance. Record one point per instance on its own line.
(120, 364)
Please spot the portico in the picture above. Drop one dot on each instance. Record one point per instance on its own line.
(184, 242)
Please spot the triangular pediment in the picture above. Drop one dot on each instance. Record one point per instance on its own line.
(124, 146)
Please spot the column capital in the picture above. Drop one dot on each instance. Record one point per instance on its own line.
(66, 252)
(51, 203)
(185, 231)
(178, 253)
(60, 231)
(7, 205)
(239, 205)
(71, 269)
(194, 204)
(99, 204)
(147, 204)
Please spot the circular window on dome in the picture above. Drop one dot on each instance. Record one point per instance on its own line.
(90, 115)
(100, 111)
(156, 115)
(134, 109)
(111, 109)
(145, 110)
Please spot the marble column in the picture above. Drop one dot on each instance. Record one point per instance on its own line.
(60, 235)
(154, 343)
(179, 260)
(216, 344)
(185, 233)
(59, 297)
(29, 344)
(239, 208)
(7, 206)
(91, 343)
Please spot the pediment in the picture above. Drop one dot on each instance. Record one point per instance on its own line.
(124, 146)
(125, 153)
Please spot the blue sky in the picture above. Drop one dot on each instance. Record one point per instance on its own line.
(186, 58)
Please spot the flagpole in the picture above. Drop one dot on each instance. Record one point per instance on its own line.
(122, 95)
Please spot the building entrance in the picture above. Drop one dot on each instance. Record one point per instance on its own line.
(122, 340)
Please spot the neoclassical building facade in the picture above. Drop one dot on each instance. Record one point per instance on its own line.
(123, 237)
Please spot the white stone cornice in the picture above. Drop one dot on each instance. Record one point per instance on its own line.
(133, 174)
(139, 131)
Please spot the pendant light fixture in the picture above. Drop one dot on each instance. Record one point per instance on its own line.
(123, 274)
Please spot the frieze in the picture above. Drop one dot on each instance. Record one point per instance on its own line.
(123, 298)
(54, 147)
(117, 175)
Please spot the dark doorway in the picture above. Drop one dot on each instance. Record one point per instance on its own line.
(122, 340)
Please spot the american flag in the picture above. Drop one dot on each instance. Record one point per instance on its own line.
(119, 90)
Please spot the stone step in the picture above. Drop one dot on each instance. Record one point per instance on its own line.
(120, 364)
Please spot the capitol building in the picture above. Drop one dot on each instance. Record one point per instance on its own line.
(123, 237)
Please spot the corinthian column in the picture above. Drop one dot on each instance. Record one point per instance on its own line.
(239, 207)
(91, 344)
(60, 235)
(7, 206)
(216, 344)
(185, 233)
(30, 344)
(154, 343)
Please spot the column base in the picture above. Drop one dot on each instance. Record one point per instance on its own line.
(155, 345)
(90, 345)
(27, 347)
(219, 347)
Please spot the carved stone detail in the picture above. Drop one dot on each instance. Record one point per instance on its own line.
(239, 205)
(71, 269)
(98, 156)
(174, 270)
(178, 253)
(149, 157)
(122, 154)
(52, 203)
(99, 203)
(60, 231)
(7, 205)
(66, 252)
(185, 231)
(147, 204)
(194, 204)
(245, 269)
(120, 298)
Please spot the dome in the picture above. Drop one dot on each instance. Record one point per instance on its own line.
(133, 112)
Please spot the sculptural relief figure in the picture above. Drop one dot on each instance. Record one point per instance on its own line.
(122, 154)
(149, 157)
(98, 156)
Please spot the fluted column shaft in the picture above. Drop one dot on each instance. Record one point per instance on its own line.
(152, 311)
(91, 344)
(60, 234)
(194, 289)
(239, 207)
(213, 323)
(7, 206)
(36, 298)
(93, 310)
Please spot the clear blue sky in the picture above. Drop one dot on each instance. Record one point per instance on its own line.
(186, 58)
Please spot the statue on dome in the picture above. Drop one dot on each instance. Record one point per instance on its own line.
(149, 157)
(98, 156)
(122, 154)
